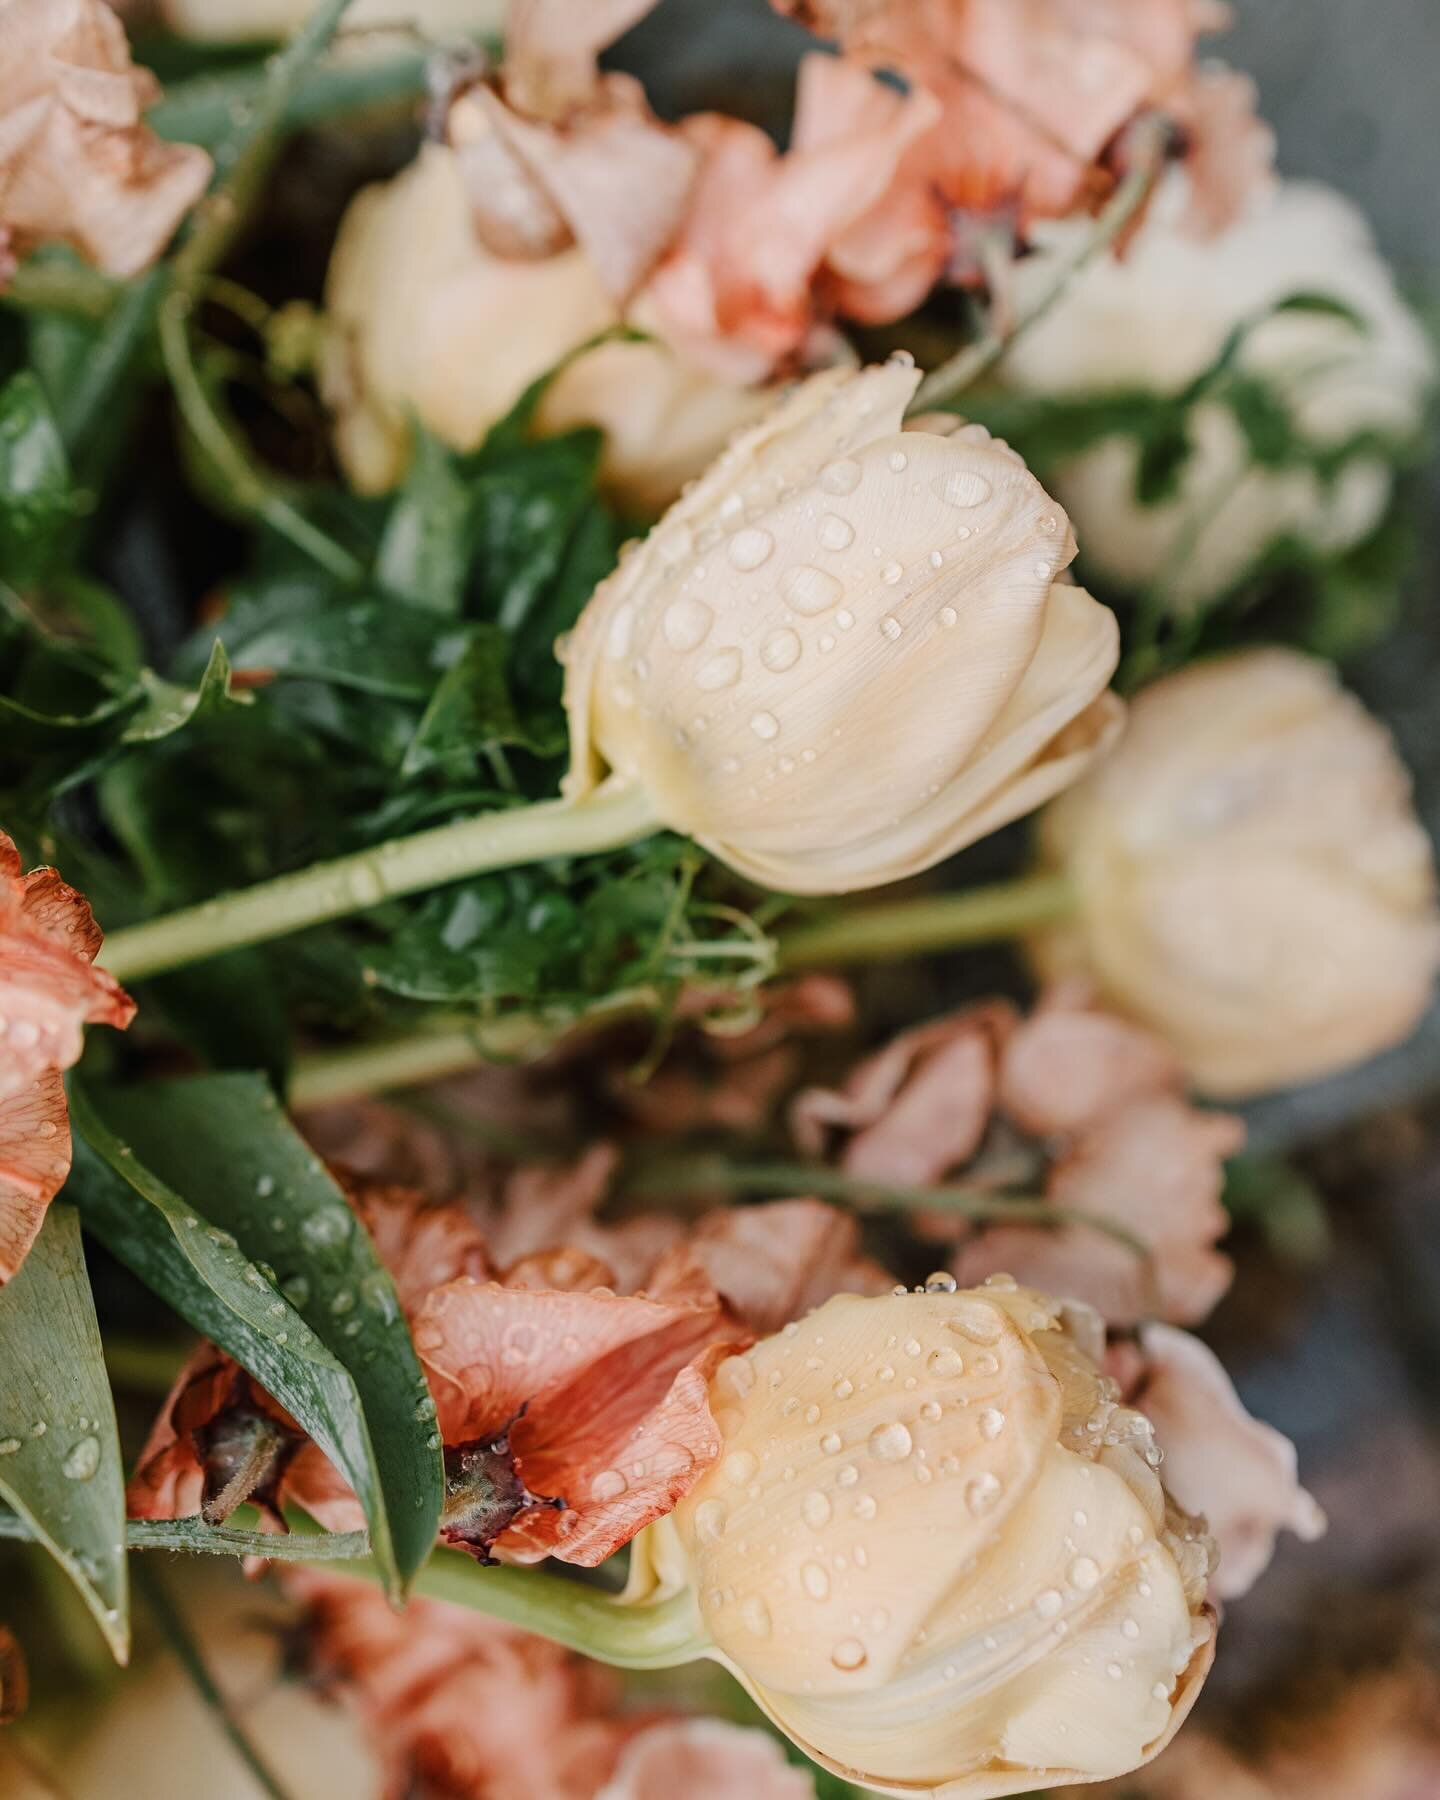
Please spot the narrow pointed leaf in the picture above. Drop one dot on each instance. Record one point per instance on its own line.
(59, 1452)
(248, 1237)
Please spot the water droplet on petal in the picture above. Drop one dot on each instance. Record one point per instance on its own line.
(891, 1442)
(1083, 1573)
(687, 624)
(963, 487)
(780, 651)
(756, 1615)
(948, 615)
(890, 627)
(991, 1422)
(830, 1443)
(710, 1516)
(815, 1581)
(719, 671)
(765, 726)
(844, 618)
(750, 547)
(849, 1653)
(809, 590)
(982, 1493)
(609, 1484)
(836, 533)
(739, 1467)
(891, 573)
(1048, 1602)
(898, 461)
(617, 640)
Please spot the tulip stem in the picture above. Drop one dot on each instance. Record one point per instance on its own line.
(612, 816)
(1149, 145)
(968, 1200)
(930, 922)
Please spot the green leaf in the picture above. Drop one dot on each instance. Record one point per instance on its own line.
(470, 710)
(37, 502)
(60, 1463)
(246, 1235)
(425, 551)
(168, 706)
(526, 509)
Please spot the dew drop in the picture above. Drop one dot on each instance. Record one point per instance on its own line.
(891, 573)
(864, 1506)
(609, 1484)
(891, 1442)
(844, 1388)
(750, 547)
(937, 559)
(1048, 1602)
(977, 1322)
(739, 1467)
(948, 616)
(830, 1443)
(1083, 1573)
(890, 627)
(812, 1415)
(815, 1509)
(945, 1363)
(622, 626)
(963, 487)
(898, 461)
(83, 1460)
(687, 624)
(756, 1615)
(844, 618)
(849, 1653)
(836, 533)
(982, 1493)
(1131, 1629)
(780, 651)
(815, 1581)
(1159, 1691)
(719, 671)
(991, 1422)
(710, 1516)
(765, 726)
(912, 1346)
(848, 1476)
(809, 590)
(1114, 1671)
(931, 1411)
(9, 1445)
(842, 477)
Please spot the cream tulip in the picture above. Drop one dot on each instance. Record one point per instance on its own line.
(936, 1550)
(1251, 880)
(844, 655)
(1158, 317)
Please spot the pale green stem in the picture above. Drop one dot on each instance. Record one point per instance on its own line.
(63, 287)
(450, 1043)
(932, 922)
(714, 1174)
(1149, 143)
(613, 815)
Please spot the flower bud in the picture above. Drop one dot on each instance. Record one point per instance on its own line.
(843, 654)
(936, 1551)
(1252, 881)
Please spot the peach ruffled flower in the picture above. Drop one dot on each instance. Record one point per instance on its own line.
(49, 990)
(1032, 95)
(1240, 1473)
(455, 1705)
(77, 163)
(1094, 1105)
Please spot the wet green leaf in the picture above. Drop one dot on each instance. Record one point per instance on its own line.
(60, 1463)
(247, 1236)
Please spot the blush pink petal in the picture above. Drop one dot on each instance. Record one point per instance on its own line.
(1069, 1066)
(916, 1108)
(457, 1705)
(604, 1398)
(552, 49)
(422, 1246)
(1239, 1473)
(49, 991)
(774, 1263)
(705, 1759)
(1155, 1169)
(1231, 155)
(77, 163)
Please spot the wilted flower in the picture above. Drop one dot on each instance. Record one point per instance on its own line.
(843, 655)
(1089, 1108)
(1236, 1471)
(1251, 880)
(1348, 389)
(49, 990)
(78, 165)
(936, 1551)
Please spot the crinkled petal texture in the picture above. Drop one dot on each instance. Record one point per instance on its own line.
(603, 1397)
(49, 990)
(77, 163)
(843, 655)
(937, 1553)
(1239, 1472)
(1253, 882)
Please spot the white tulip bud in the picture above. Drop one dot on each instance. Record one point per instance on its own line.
(1252, 881)
(843, 654)
(936, 1550)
